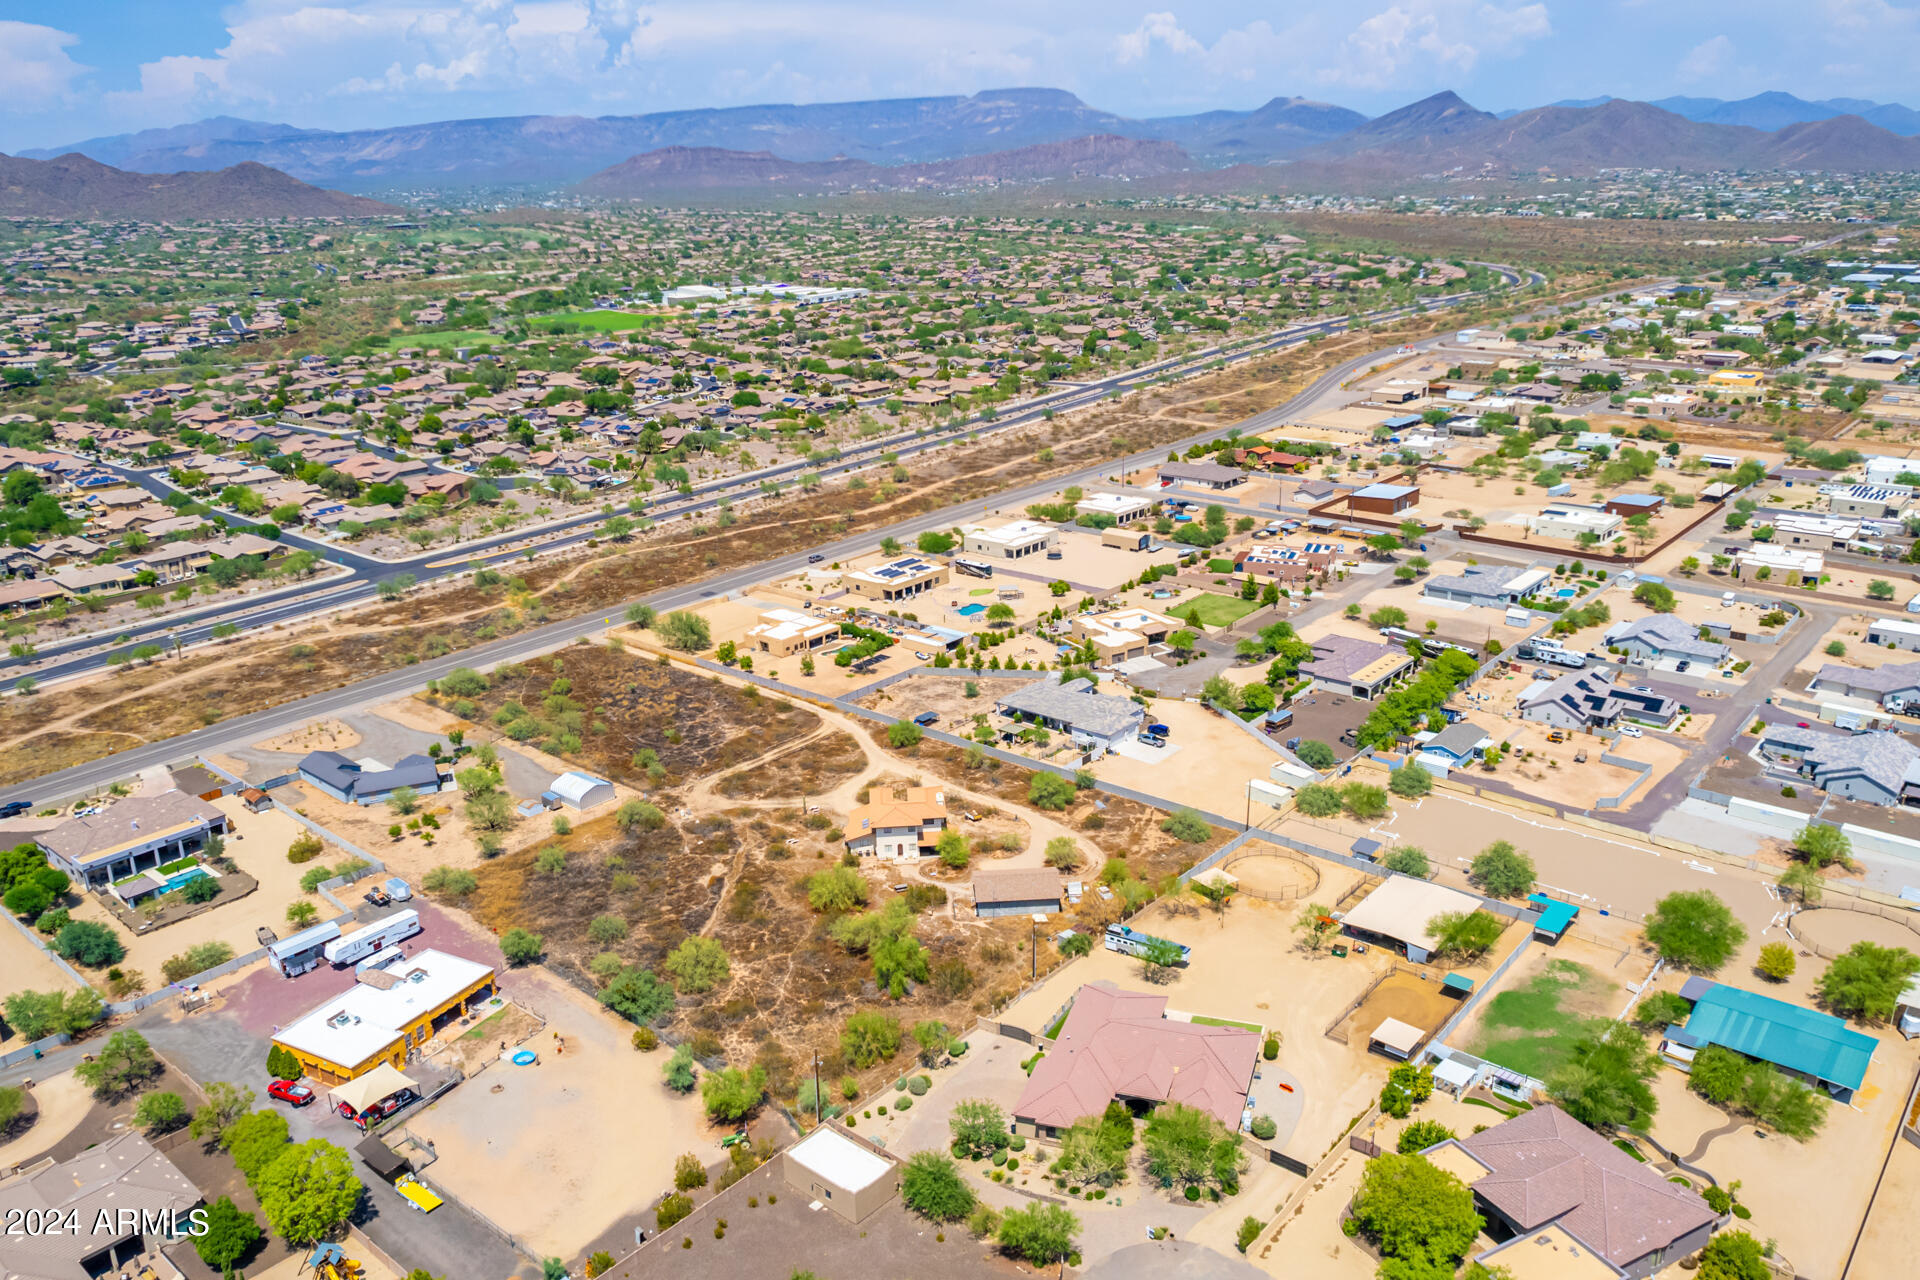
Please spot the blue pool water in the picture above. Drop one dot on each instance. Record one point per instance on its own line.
(968, 610)
(179, 878)
(1566, 593)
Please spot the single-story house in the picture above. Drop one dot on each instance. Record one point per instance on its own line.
(1894, 686)
(1359, 668)
(387, 1016)
(1204, 475)
(1590, 700)
(1120, 1044)
(1016, 891)
(1815, 1046)
(123, 1194)
(1565, 1201)
(1491, 586)
(1894, 633)
(1384, 499)
(131, 836)
(850, 1176)
(1454, 747)
(1878, 767)
(368, 781)
(1661, 635)
(1093, 719)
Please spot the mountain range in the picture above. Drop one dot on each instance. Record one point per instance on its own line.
(1019, 135)
(75, 186)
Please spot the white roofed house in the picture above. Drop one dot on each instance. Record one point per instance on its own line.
(784, 632)
(1491, 586)
(1013, 541)
(1073, 708)
(1764, 560)
(1123, 508)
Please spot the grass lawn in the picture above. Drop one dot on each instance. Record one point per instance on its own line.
(1531, 1028)
(441, 338)
(1224, 1022)
(598, 321)
(480, 1030)
(1060, 1022)
(1216, 611)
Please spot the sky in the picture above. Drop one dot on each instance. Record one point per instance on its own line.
(70, 71)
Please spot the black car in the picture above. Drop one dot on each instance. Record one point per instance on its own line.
(815, 558)
(15, 808)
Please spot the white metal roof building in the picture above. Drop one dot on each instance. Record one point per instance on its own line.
(1402, 907)
(579, 790)
(841, 1172)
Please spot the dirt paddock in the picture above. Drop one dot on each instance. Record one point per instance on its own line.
(1833, 930)
(1274, 876)
(1404, 996)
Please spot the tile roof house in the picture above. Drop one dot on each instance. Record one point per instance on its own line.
(1543, 1173)
(1207, 475)
(896, 830)
(1661, 635)
(130, 836)
(1362, 668)
(1491, 586)
(1120, 1044)
(1590, 699)
(1880, 767)
(1016, 891)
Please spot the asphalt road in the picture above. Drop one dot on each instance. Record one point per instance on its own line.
(389, 685)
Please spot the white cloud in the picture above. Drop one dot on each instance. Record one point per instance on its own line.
(36, 72)
(1155, 28)
(1707, 59)
(1414, 38)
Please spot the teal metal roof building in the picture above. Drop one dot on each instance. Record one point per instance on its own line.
(1555, 915)
(1809, 1043)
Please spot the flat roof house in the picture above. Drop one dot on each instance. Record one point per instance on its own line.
(1124, 508)
(1201, 475)
(1765, 559)
(120, 1194)
(1823, 533)
(901, 578)
(1564, 520)
(1877, 502)
(1384, 499)
(1016, 891)
(367, 781)
(387, 1016)
(898, 830)
(1565, 1202)
(1490, 586)
(1013, 541)
(1123, 634)
(1894, 633)
(1661, 635)
(1634, 504)
(131, 836)
(1806, 1042)
(1120, 1044)
(1360, 668)
(1401, 908)
(851, 1177)
(785, 632)
(1093, 719)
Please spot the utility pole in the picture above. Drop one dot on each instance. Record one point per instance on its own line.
(819, 1107)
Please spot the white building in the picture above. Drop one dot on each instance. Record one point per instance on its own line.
(1825, 532)
(1778, 560)
(1895, 633)
(1123, 508)
(1564, 520)
(1013, 541)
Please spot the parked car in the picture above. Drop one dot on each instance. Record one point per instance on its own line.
(291, 1091)
(1683, 664)
(1631, 731)
(815, 558)
(1153, 740)
(14, 808)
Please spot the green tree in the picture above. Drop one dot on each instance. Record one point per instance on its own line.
(89, 943)
(687, 632)
(1362, 802)
(230, 1235)
(1502, 871)
(1094, 1152)
(1777, 961)
(837, 888)
(125, 1063)
(522, 947)
(1661, 1009)
(1050, 791)
(951, 848)
(160, 1112)
(282, 1065)
(1410, 781)
(979, 1127)
(1315, 925)
(1187, 825)
(1694, 929)
(678, 1069)
(1063, 853)
(902, 734)
(225, 1103)
(869, 1036)
(1316, 754)
(1317, 801)
(1606, 1080)
(1158, 959)
(733, 1093)
(1408, 860)
(1656, 596)
(638, 815)
(1422, 1134)
(1733, 1255)
(1821, 845)
(638, 995)
(1186, 1146)
(1866, 980)
(309, 1191)
(931, 1186)
(1466, 934)
(931, 1038)
(1417, 1214)
(1043, 1234)
(697, 964)
(673, 1207)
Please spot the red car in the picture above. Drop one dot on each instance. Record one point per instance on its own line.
(288, 1091)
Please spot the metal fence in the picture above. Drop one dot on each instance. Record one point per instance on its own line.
(1290, 893)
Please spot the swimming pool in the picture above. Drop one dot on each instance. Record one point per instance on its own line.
(1566, 593)
(969, 610)
(179, 878)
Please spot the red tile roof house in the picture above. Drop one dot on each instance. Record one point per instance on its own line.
(1552, 1184)
(1120, 1044)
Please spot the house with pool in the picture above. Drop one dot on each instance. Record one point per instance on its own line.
(149, 843)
